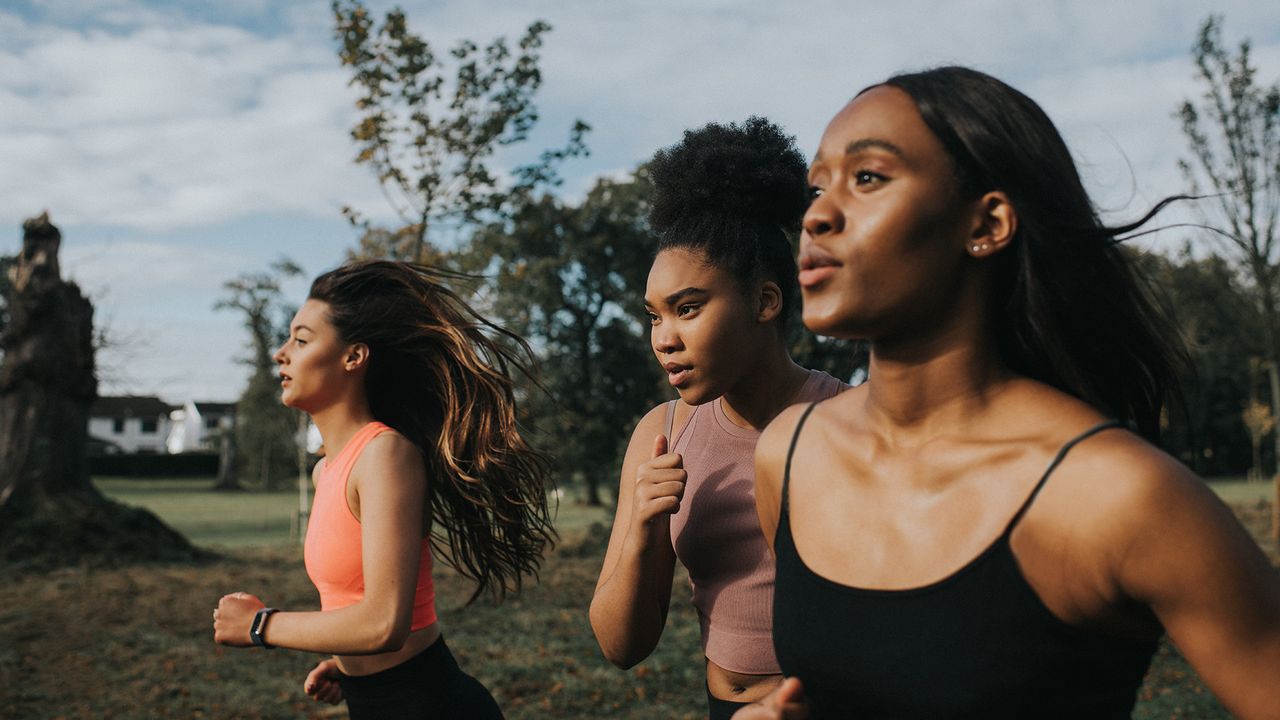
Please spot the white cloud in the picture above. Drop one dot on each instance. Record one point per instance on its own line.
(179, 126)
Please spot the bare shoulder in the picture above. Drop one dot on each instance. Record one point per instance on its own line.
(1119, 489)
(389, 452)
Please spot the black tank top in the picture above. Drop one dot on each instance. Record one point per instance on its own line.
(976, 644)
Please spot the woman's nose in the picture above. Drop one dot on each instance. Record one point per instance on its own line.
(823, 217)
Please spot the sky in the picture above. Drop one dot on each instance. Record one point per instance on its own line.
(178, 144)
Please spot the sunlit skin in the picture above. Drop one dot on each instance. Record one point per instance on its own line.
(902, 481)
(714, 338)
(385, 491)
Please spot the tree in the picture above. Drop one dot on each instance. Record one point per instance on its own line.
(1234, 136)
(571, 279)
(1216, 314)
(264, 441)
(1258, 419)
(50, 512)
(431, 141)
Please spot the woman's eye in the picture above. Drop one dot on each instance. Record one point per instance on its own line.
(815, 192)
(866, 177)
(686, 309)
(299, 341)
(652, 318)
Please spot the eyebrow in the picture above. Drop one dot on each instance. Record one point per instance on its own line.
(866, 144)
(296, 328)
(679, 295)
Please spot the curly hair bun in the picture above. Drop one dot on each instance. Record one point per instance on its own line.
(752, 170)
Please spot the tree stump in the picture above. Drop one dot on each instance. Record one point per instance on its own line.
(50, 512)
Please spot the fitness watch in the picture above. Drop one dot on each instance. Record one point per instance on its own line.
(259, 625)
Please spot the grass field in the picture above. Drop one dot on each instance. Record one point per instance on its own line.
(135, 642)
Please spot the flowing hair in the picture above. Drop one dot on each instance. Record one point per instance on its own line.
(1071, 308)
(441, 375)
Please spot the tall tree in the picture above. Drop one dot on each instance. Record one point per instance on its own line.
(50, 512)
(431, 140)
(571, 279)
(1217, 314)
(1233, 132)
(264, 433)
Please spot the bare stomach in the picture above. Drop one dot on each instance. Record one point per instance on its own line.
(418, 641)
(739, 687)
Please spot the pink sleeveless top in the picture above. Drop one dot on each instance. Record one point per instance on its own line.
(716, 534)
(332, 552)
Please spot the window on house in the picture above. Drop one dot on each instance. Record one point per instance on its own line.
(117, 426)
(211, 423)
(149, 425)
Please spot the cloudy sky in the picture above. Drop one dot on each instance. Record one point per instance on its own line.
(178, 144)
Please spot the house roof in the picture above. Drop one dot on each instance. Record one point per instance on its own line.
(129, 406)
(215, 408)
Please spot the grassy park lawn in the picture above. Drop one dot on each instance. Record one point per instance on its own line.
(135, 642)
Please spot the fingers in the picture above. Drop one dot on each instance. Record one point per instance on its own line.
(659, 446)
(790, 691)
(321, 683)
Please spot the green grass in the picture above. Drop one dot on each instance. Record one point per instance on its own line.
(1237, 491)
(217, 519)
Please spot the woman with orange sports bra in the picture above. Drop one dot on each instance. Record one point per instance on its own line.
(413, 398)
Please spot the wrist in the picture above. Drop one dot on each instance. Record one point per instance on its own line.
(258, 628)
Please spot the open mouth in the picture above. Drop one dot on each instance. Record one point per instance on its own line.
(677, 374)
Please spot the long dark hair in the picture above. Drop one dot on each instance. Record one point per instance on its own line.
(1070, 307)
(734, 193)
(441, 375)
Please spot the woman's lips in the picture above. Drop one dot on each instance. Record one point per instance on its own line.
(814, 276)
(677, 375)
(816, 265)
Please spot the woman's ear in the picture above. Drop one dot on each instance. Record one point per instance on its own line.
(357, 357)
(769, 302)
(995, 222)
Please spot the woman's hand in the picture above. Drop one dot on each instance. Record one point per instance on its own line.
(233, 618)
(659, 488)
(322, 683)
(786, 702)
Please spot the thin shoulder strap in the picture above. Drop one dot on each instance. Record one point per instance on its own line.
(1062, 453)
(671, 419)
(786, 472)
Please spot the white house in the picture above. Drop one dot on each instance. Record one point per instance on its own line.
(130, 424)
(194, 425)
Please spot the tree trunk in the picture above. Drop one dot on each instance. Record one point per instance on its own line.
(50, 512)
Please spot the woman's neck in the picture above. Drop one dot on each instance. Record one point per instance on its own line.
(922, 387)
(339, 422)
(765, 391)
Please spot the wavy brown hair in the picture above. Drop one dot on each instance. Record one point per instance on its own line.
(441, 375)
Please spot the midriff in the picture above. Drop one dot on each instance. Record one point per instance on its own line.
(739, 687)
(418, 641)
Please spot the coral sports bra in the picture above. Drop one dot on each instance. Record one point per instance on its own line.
(332, 552)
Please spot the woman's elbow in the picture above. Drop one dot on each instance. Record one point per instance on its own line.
(390, 636)
(613, 648)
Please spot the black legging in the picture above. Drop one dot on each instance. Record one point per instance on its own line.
(427, 686)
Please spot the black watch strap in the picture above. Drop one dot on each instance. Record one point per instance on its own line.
(259, 625)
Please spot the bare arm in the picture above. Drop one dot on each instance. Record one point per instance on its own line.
(390, 481)
(1190, 561)
(633, 593)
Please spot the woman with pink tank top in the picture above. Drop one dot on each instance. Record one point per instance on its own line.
(413, 397)
(720, 296)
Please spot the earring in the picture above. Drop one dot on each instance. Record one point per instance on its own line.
(976, 247)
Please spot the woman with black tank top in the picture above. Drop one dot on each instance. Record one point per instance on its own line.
(719, 296)
(985, 529)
